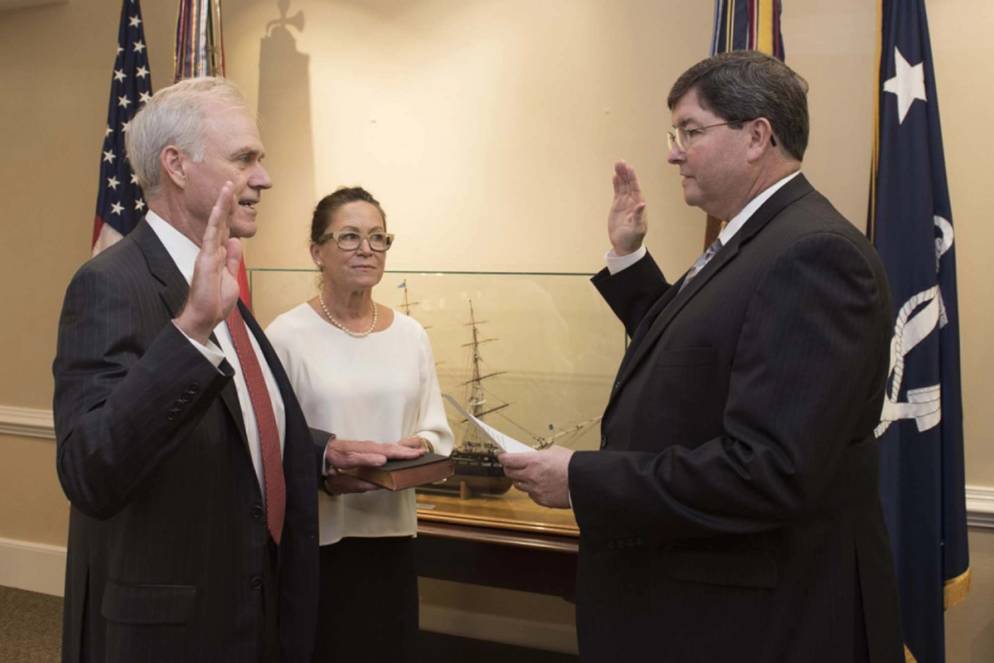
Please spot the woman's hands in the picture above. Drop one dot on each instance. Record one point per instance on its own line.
(343, 455)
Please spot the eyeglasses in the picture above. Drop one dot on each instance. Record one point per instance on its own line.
(682, 137)
(350, 240)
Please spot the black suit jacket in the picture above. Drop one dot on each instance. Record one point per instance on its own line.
(169, 555)
(733, 513)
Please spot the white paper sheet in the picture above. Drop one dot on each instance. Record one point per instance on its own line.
(505, 442)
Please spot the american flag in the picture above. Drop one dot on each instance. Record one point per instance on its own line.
(120, 202)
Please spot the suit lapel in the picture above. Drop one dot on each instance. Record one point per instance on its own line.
(174, 288)
(174, 291)
(672, 302)
(671, 306)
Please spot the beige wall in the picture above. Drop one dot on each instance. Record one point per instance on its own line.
(487, 129)
(970, 625)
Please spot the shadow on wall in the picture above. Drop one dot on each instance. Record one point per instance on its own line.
(285, 117)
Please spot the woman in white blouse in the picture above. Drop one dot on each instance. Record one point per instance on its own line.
(364, 372)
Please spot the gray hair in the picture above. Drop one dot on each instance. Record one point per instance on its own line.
(175, 115)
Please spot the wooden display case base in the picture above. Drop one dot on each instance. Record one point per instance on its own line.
(506, 541)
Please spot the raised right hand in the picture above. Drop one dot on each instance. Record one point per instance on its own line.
(214, 286)
(626, 226)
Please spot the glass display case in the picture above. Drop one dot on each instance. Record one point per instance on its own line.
(533, 354)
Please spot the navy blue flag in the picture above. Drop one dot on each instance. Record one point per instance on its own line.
(120, 203)
(921, 427)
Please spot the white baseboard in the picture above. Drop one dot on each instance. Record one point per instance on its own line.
(27, 422)
(498, 628)
(36, 567)
(980, 506)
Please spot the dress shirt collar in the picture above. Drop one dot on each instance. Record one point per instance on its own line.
(739, 219)
(178, 246)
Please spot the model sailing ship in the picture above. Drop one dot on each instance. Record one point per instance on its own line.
(477, 469)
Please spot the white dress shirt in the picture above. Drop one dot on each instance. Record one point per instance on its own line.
(184, 254)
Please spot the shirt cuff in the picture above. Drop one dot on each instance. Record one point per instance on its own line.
(616, 263)
(327, 469)
(431, 437)
(211, 352)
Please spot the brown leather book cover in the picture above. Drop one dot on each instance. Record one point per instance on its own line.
(401, 474)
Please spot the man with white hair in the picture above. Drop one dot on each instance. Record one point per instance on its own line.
(190, 468)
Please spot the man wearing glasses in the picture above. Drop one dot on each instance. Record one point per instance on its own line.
(733, 512)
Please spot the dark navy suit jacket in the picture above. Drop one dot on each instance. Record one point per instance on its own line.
(733, 512)
(169, 556)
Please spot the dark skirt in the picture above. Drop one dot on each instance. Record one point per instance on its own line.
(368, 608)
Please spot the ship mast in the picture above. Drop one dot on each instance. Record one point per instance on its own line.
(477, 399)
(406, 305)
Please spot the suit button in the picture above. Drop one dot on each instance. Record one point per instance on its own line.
(256, 583)
(192, 390)
(603, 441)
(256, 511)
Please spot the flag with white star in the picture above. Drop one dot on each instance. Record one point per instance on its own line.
(921, 428)
(120, 202)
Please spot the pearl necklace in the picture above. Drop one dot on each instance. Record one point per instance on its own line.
(345, 329)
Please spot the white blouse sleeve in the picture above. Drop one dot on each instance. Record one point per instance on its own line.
(433, 424)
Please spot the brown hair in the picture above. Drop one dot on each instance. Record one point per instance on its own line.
(739, 86)
(330, 204)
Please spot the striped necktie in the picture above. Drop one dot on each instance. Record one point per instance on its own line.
(701, 262)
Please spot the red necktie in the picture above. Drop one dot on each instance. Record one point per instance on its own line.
(265, 420)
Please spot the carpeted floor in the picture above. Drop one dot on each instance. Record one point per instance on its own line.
(31, 632)
(30, 626)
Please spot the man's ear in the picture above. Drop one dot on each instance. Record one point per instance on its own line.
(173, 162)
(761, 136)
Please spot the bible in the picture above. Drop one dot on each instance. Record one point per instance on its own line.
(401, 474)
